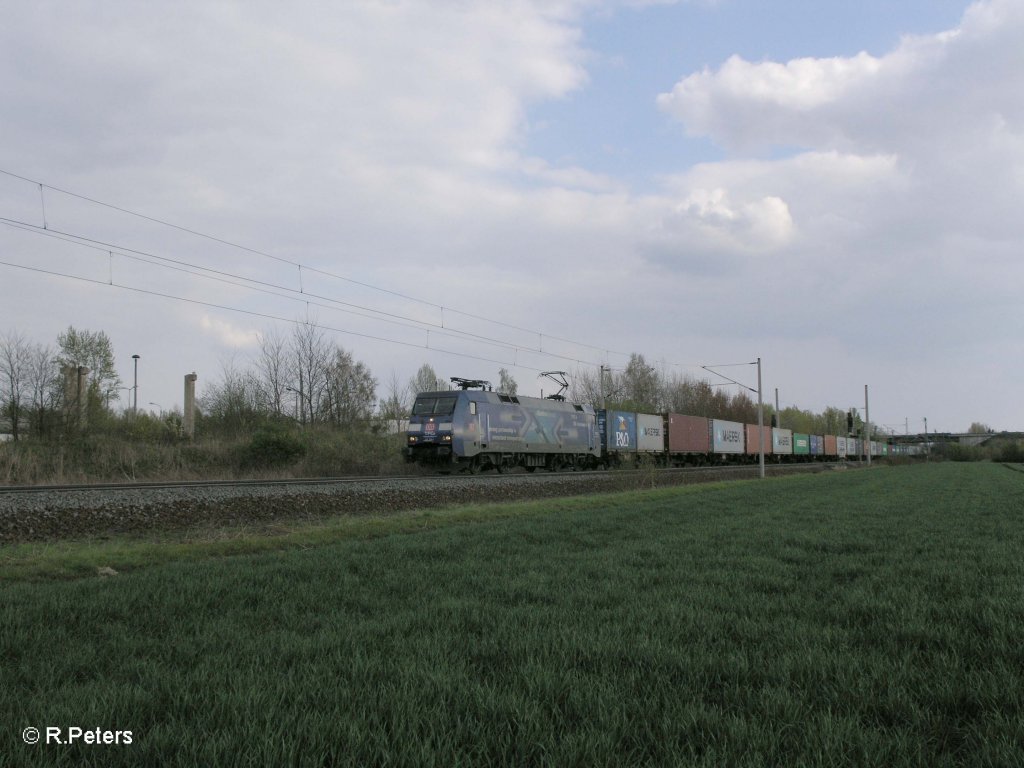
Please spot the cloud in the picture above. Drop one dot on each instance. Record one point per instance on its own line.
(708, 230)
(928, 89)
(227, 334)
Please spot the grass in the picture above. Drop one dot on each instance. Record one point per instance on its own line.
(127, 455)
(860, 618)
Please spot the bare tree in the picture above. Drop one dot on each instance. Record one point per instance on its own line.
(350, 391)
(14, 361)
(29, 384)
(234, 399)
(276, 372)
(43, 384)
(395, 407)
(585, 388)
(312, 360)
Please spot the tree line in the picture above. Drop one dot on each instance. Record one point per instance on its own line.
(304, 377)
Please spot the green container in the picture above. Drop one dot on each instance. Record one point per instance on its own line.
(801, 444)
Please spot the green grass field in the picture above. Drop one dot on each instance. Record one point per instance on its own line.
(868, 618)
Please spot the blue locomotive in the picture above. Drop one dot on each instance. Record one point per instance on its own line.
(475, 428)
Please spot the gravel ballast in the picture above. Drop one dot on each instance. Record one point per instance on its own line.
(68, 514)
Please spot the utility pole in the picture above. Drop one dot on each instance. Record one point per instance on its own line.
(760, 416)
(867, 424)
(135, 388)
(760, 401)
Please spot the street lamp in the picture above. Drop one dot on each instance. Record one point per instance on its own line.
(302, 410)
(135, 386)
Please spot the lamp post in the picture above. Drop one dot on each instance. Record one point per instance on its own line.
(135, 386)
(302, 409)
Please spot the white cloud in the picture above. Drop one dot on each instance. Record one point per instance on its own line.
(927, 90)
(228, 334)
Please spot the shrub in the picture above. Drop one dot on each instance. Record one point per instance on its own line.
(1012, 453)
(351, 452)
(957, 452)
(269, 448)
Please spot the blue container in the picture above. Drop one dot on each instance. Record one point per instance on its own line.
(817, 445)
(618, 431)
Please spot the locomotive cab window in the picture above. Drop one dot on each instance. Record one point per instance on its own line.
(434, 406)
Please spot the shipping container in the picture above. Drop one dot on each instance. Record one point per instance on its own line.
(782, 441)
(688, 434)
(841, 447)
(751, 438)
(831, 447)
(650, 433)
(619, 431)
(801, 444)
(726, 436)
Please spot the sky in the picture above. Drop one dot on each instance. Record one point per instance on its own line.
(834, 188)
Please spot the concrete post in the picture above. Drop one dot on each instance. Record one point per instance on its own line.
(76, 400)
(83, 396)
(70, 374)
(188, 422)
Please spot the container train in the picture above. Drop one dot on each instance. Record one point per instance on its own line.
(476, 429)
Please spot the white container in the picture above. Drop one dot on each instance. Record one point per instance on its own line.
(782, 441)
(650, 433)
(726, 436)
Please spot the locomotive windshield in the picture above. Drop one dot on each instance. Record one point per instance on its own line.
(434, 406)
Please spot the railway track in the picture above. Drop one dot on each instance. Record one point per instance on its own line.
(34, 513)
(725, 471)
(177, 484)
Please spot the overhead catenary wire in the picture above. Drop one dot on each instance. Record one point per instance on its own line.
(300, 266)
(265, 315)
(250, 283)
(265, 287)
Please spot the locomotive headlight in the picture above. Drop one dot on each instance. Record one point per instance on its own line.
(412, 438)
(446, 439)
